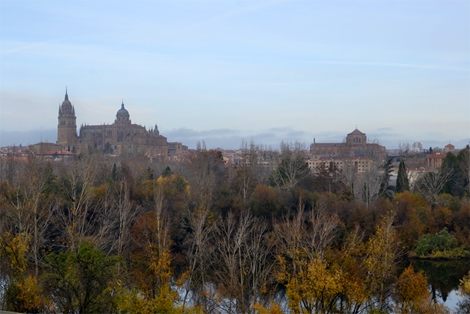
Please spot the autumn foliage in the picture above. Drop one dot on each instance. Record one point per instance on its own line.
(95, 234)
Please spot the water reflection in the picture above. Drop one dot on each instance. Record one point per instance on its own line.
(443, 276)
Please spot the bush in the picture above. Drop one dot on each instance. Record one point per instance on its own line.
(439, 245)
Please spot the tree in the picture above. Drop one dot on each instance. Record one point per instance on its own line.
(125, 214)
(431, 184)
(198, 256)
(82, 279)
(404, 148)
(291, 168)
(440, 244)
(29, 207)
(314, 289)
(371, 180)
(241, 261)
(403, 183)
(386, 190)
(349, 258)
(205, 173)
(413, 296)
(19, 292)
(76, 186)
(413, 217)
(464, 163)
(464, 291)
(383, 252)
(311, 283)
(151, 269)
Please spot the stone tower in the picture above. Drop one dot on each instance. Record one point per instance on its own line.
(67, 128)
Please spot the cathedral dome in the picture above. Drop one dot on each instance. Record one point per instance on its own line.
(122, 116)
(123, 111)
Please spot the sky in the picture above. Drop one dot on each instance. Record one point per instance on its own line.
(224, 71)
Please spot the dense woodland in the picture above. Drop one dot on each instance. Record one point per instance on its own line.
(100, 234)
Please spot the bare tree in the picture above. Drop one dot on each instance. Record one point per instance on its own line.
(404, 149)
(126, 213)
(291, 168)
(241, 261)
(246, 180)
(290, 233)
(204, 173)
(430, 184)
(198, 256)
(349, 176)
(370, 181)
(28, 208)
(77, 186)
(306, 233)
(321, 230)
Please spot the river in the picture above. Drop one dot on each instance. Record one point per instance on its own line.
(443, 278)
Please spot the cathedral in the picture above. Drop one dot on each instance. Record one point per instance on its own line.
(355, 145)
(119, 138)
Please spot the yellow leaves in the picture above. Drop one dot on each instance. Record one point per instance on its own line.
(413, 295)
(273, 308)
(100, 191)
(173, 184)
(382, 250)
(464, 287)
(29, 296)
(160, 265)
(412, 287)
(322, 282)
(14, 249)
(313, 283)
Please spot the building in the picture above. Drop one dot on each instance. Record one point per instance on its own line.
(355, 153)
(358, 164)
(355, 146)
(417, 147)
(449, 148)
(119, 138)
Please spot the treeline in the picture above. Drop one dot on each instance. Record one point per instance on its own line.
(95, 234)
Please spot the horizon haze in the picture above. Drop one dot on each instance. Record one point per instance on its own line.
(223, 72)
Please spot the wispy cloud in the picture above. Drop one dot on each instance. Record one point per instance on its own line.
(396, 65)
(25, 46)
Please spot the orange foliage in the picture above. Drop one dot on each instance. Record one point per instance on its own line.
(413, 295)
(441, 219)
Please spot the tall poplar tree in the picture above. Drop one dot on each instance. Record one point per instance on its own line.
(403, 183)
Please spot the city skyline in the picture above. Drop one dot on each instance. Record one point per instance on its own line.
(223, 72)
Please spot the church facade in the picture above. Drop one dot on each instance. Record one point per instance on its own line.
(355, 146)
(119, 138)
(354, 152)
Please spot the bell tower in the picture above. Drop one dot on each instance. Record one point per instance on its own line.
(67, 128)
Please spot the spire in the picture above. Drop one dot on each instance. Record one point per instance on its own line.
(66, 95)
(122, 104)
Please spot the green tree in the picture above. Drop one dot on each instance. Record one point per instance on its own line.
(441, 244)
(167, 172)
(455, 165)
(403, 184)
(385, 189)
(81, 280)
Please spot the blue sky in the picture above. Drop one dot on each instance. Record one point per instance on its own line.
(223, 71)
